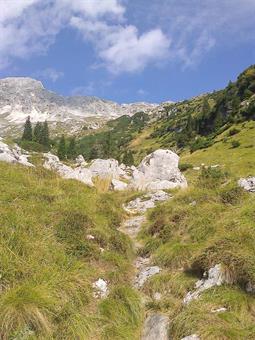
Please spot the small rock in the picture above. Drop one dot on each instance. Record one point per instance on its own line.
(101, 288)
(247, 184)
(197, 168)
(90, 237)
(219, 310)
(156, 327)
(193, 203)
(191, 337)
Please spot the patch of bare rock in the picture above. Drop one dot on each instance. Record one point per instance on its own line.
(214, 277)
(13, 154)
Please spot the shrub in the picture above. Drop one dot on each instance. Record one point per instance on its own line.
(235, 144)
(211, 177)
(185, 166)
(232, 195)
(233, 131)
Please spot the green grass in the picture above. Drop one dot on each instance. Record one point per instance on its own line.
(48, 265)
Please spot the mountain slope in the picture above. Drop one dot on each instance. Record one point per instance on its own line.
(20, 97)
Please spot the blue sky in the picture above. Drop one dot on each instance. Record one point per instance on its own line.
(127, 50)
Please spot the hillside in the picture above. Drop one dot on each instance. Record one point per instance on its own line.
(94, 249)
(187, 125)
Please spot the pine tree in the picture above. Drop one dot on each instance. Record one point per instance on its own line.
(28, 133)
(71, 150)
(38, 132)
(128, 158)
(62, 148)
(45, 135)
(205, 108)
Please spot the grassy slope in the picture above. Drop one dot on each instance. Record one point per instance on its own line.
(48, 265)
(211, 222)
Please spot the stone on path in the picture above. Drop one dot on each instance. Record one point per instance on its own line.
(156, 327)
(144, 271)
(148, 201)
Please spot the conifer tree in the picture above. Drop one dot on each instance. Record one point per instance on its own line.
(37, 132)
(45, 135)
(62, 148)
(27, 133)
(71, 150)
(128, 158)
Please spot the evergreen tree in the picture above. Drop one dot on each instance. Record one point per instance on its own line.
(45, 135)
(71, 150)
(205, 108)
(128, 158)
(38, 132)
(62, 148)
(28, 133)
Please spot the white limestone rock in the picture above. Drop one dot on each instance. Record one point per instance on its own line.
(156, 327)
(118, 185)
(13, 154)
(159, 170)
(80, 173)
(247, 184)
(144, 274)
(101, 288)
(219, 310)
(215, 277)
(80, 160)
(107, 168)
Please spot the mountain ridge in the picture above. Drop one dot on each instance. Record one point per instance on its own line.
(23, 96)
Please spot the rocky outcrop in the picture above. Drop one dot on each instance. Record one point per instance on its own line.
(215, 277)
(159, 170)
(107, 168)
(247, 184)
(79, 173)
(13, 154)
(156, 327)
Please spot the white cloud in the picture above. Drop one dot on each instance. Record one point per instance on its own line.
(49, 73)
(198, 26)
(121, 48)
